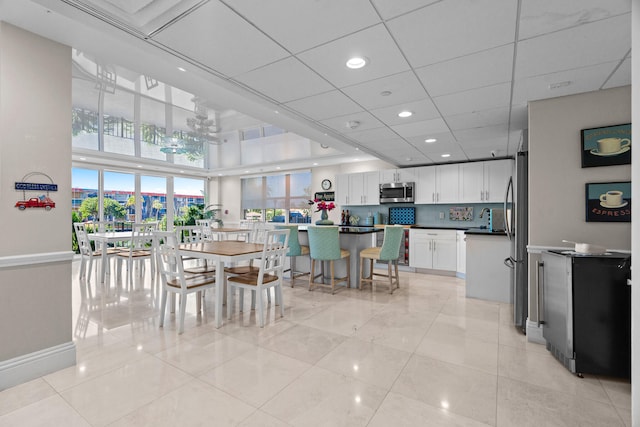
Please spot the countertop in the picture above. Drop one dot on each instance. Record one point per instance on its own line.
(350, 230)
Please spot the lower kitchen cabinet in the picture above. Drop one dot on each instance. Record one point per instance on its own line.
(487, 277)
(433, 249)
(461, 245)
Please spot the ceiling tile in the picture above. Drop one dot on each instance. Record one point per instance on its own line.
(373, 136)
(519, 117)
(426, 127)
(480, 69)
(353, 122)
(545, 16)
(450, 29)
(374, 43)
(422, 110)
(621, 77)
(391, 8)
(213, 36)
(577, 80)
(285, 80)
(404, 87)
(325, 105)
(476, 119)
(301, 25)
(441, 138)
(577, 47)
(484, 98)
(481, 135)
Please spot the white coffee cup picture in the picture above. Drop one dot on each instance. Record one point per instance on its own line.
(612, 145)
(611, 198)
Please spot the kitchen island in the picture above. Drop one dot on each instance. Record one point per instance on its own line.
(487, 276)
(353, 239)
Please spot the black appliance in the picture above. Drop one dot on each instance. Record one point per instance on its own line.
(397, 192)
(585, 311)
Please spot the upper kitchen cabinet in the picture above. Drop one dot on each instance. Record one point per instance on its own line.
(398, 175)
(436, 184)
(358, 189)
(484, 182)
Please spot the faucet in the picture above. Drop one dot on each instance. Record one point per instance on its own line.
(483, 211)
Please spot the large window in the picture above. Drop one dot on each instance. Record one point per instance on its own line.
(153, 190)
(283, 198)
(84, 193)
(119, 196)
(188, 200)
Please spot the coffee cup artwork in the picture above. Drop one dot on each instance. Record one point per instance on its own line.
(609, 202)
(606, 146)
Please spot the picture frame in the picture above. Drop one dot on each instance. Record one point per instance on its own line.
(326, 196)
(606, 146)
(608, 201)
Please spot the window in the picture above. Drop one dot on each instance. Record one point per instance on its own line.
(252, 133)
(118, 190)
(84, 183)
(270, 130)
(188, 200)
(284, 198)
(153, 190)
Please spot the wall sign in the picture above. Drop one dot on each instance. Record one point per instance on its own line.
(606, 146)
(326, 196)
(33, 192)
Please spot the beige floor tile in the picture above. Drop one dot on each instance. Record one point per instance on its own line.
(545, 371)
(193, 404)
(262, 419)
(625, 415)
(472, 309)
(428, 301)
(304, 343)
(479, 329)
(465, 391)
(109, 397)
(323, 398)
(24, 394)
(339, 321)
(618, 390)
(530, 405)
(398, 410)
(512, 337)
(397, 329)
(51, 411)
(371, 363)
(256, 375)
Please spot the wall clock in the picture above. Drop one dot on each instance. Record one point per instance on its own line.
(326, 184)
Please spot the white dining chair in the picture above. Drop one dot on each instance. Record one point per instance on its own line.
(269, 275)
(138, 250)
(87, 253)
(174, 279)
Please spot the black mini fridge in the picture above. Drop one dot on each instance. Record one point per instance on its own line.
(586, 311)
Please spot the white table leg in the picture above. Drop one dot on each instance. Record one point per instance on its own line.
(219, 293)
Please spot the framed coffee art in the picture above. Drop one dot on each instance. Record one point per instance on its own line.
(606, 146)
(608, 201)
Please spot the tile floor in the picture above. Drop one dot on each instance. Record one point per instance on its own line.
(425, 355)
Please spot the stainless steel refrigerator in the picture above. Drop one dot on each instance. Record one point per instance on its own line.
(516, 226)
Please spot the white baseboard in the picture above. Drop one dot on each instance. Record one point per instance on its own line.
(33, 365)
(534, 333)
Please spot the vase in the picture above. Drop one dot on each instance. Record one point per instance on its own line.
(324, 218)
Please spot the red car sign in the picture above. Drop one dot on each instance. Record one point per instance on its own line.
(36, 202)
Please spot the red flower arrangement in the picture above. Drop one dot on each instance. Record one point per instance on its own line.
(322, 205)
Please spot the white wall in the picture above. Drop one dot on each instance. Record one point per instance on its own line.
(35, 117)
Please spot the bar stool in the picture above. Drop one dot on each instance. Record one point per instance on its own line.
(393, 237)
(324, 245)
(295, 250)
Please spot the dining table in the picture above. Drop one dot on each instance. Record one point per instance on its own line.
(221, 252)
(104, 238)
(223, 233)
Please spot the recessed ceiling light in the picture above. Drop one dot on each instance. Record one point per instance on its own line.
(430, 140)
(83, 158)
(139, 166)
(405, 114)
(356, 62)
(408, 159)
(278, 167)
(445, 155)
(219, 174)
(181, 69)
(246, 171)
(385, 93)
(315, 164)
(181, 171)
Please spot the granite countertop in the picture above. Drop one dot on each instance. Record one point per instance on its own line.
(350, 230)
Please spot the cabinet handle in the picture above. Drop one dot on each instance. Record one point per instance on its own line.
(540, 290)
(486, 197)
(481, 195)
(434, 246)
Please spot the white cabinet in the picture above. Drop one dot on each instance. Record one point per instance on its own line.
(484, 182)
(358, 189)
(398, 175)
(437, 184)
(433, 249)
(461, 245)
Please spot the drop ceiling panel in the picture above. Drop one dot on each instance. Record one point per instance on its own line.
(545, 16)
(441, 138)
(374, 43)
(426, 127)
(353, 122)
(391, 8)
(495, 116)
(372, 136)
(577, 47)
(384, 143)
(480, 69)
(404, 87)
(422, 110)
(325, 105)
(285, 80)
(300, 25)
(214, 36)
(621, 77)
(450, 29)
(519, 117)
(481, 135)
(562, 83)
(484, 98)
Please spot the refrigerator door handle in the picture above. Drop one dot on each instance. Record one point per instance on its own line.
(510, 262)
(507, 197)
(540, 291)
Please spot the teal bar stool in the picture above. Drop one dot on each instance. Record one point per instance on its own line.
(393, 238)
(324, 246)
(295, 250)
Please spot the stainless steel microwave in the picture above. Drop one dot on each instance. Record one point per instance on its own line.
(397, 192)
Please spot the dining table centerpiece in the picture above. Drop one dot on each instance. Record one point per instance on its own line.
(324, 208)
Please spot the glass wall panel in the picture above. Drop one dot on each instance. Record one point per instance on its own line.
(119, 196)
(153, 190)
(119, 122)
(84, 193)
(188, 200)
(152, 129)
(84, 122)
